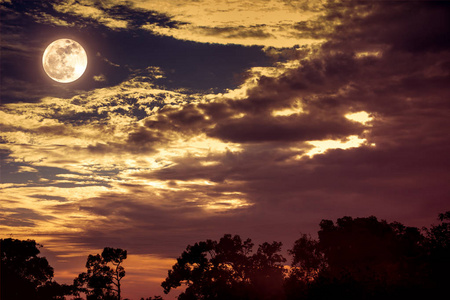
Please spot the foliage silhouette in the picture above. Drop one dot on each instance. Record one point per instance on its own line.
(353, 258)
(25, 275)
(364, 258)
(438, 242)
(227, 270)
(103, 276)
(361, 258)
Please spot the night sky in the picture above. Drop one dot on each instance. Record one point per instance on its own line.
(200, 118)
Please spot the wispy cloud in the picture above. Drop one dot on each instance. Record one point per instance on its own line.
(269, 23)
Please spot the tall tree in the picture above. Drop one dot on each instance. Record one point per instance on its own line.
(227, 270)
(25, 275)
(104, 274)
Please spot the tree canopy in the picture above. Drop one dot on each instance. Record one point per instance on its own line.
(227, 270)
(353, 258)
(25, 275)
(364, 258)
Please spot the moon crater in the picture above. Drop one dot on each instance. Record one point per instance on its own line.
(64, 60)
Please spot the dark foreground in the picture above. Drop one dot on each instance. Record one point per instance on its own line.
(361, 258)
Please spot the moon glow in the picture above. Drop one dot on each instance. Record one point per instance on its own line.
(64, 60)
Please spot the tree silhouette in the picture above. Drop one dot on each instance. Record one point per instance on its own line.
(353, 258)
(25, 275)
(227, 270)
(267, 272)
(438, 241)
(307, 259)
(307, 262)
(365, 247)
(364, 258)
(103, 276)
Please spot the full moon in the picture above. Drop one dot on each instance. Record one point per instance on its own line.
(64, 60)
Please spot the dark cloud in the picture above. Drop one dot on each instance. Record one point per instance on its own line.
(16, 173)
(316, 77)
(316, 81)
(415, 27)
(256, 31)
(143, 140)
(49, 198)
(288, 129)
(22, 217)
(10, 169)
(166, 231)
(142, 220)
(136, 18)
(186, 120)
(402, 85)
(305, 5)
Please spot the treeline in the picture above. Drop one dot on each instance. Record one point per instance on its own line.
(353, 258)
(360, 258)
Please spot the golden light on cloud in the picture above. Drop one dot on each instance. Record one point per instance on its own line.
(270, 29)
(41, 202)
(369, 54)
(255, 73)
(250, 22)
(361, 117)
(223, 35)
(226, 205)
(64, 60)
(320, 147)
(296, 108)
